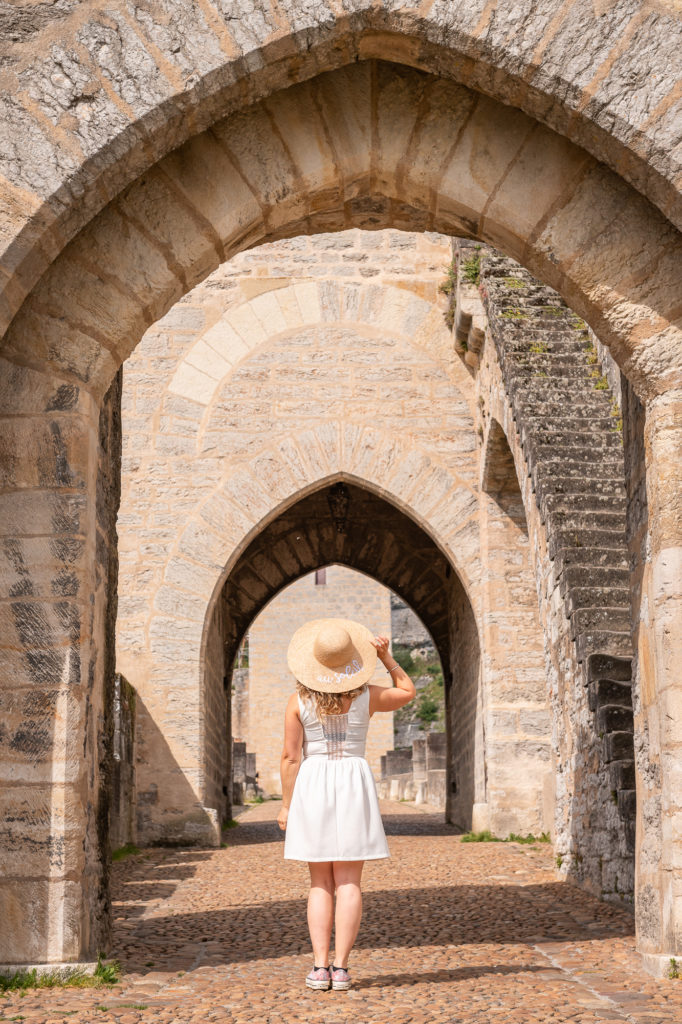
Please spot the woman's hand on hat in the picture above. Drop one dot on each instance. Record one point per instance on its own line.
(381, 643)
(282, 818)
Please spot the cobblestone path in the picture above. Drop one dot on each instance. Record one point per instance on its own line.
(452, 932)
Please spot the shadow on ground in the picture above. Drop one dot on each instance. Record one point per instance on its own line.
(411, 917)
(444, 976)
(250, 833)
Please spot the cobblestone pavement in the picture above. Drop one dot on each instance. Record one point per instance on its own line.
(452, 932)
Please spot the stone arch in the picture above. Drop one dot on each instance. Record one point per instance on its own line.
(387, 309)
(241, 483)
(379, 540)
(390, 545)
(498, 475)
(230, 579)
(147, 247)
(244, 503)
(141, 87)
(384, 156)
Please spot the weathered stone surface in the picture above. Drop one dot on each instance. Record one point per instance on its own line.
(536, 369)
(99, 101)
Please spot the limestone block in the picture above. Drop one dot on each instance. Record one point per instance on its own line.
(42, 921)
(246, 324)
(268, 310)
(344, 103)
(191, 383)
(41, 742)
(480, 817)
(206, 358)
(436, 787)
(525, 195)
(166, 220)
(232, 208)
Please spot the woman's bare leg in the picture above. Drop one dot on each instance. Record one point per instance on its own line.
(347, 876)
(321, 910)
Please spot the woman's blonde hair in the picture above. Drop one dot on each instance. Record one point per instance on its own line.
(328, 703)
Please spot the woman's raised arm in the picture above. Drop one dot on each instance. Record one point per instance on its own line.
(385, 698)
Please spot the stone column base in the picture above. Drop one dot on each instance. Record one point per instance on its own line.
(659, 964)
(213, 827)
(480, 817)
(65, 969)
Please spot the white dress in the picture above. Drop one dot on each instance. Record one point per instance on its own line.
(334, 813)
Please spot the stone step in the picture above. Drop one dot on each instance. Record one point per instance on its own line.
(576, 576)
(586, 538)
(606, 666)
(600, 520)
(577, 382)
(580, 413)
(607, 693)
(547, 395)
(607, 558)
(573, 454)
(557, 348)
(577, 486)
(546, 303)
(564, 438)
(618, 746)
(574, 503)
(525, 325)
(571, 371)
(590, 420)
(615, 620)
(597, 596)
(615, 719)
(602, 641)
(622, 775)
(607, 469)
(559, 345)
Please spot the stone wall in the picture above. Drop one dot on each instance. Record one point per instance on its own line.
(99, 703)
(216, 717)
(418, 773)
(299, 364)
(108, 166)
(545, 400)
(123, 798)
(467, 791)
(344, 594)
(240, 703)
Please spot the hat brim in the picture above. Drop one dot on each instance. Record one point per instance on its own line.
(321, 678)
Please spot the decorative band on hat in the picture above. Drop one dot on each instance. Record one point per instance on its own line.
(344, 673)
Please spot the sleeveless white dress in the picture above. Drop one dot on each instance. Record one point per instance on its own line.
(334, 813)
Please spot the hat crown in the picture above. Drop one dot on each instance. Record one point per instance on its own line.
(333, 646)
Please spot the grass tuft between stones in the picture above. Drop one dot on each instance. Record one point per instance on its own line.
(104, 974)
(128, 850)
(486, 836)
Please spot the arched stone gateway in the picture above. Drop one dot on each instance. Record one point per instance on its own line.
(371, 144)
(327, 359)
(100, 96)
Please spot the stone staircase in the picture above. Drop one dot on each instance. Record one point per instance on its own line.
(569, 429)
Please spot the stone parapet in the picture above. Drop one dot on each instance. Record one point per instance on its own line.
(418, 773)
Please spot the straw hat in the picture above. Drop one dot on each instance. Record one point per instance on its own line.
(332, 655)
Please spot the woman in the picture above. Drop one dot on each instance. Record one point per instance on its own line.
(330, 809)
